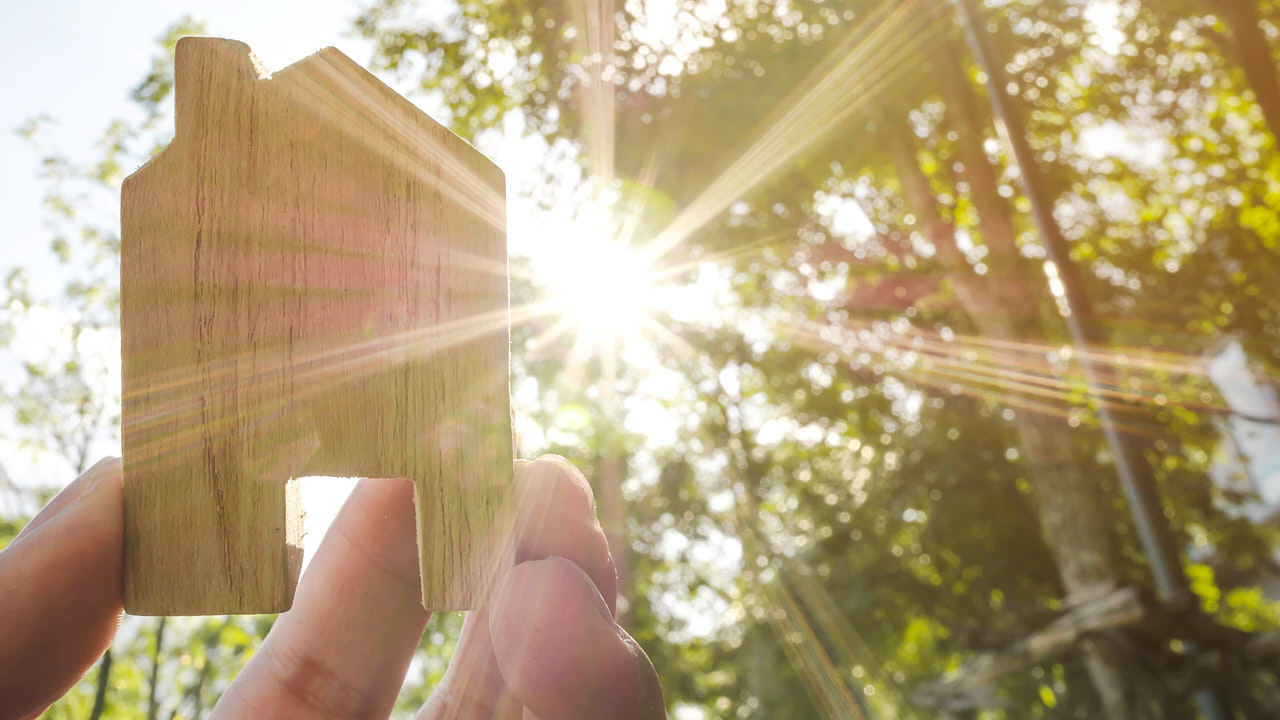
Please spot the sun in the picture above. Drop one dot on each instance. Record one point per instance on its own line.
(602, 285)
(602, 295)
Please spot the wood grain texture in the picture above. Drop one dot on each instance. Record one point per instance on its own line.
(313, 282)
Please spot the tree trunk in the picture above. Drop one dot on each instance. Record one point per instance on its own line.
(1074, 517)
(965, 115)
(153, 700)
(1255, 58)
(100, 694)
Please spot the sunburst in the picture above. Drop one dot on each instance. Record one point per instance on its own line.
(603, 294)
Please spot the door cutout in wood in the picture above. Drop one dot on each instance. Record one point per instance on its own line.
(313, 282)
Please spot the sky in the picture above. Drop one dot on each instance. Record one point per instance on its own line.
(77, 60)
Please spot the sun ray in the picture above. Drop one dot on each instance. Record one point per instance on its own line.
(575, 363)
(797, 638)
(557, 330)
(313, 372)
(668, 338)
(597, 16)
(1027, 355)
(777, 239)
(806, 651)
(835, 89)
(834, 624)
(388, 133)
(1039, 386)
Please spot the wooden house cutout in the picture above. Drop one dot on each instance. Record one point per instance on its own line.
(313, 282)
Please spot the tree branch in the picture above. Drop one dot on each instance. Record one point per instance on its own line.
(196, 691)
(153, 704)
(973, 683)
(100, 697)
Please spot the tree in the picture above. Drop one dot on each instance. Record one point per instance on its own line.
(949, 253)
(880, 460)
(64, 404)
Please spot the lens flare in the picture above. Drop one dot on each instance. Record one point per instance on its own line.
(603, 293)
(603, 286)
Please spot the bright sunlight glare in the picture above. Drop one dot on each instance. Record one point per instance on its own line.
(603, 285)
(601, 293)
(603, 298)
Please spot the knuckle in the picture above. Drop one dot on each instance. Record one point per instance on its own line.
(318, 689)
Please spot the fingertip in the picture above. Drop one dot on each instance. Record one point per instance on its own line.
(523, 586)
(557, 479)
(560, 460)
(61, 580)
(557, 518)
(559, 650)
(388, 495)
(543, 618)
(107, 472)
(344, 647)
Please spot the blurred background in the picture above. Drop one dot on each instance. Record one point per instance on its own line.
(923, 354)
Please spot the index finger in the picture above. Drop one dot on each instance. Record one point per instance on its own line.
(343, 649)
(60, 580)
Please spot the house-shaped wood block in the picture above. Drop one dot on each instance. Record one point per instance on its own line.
(313, 282)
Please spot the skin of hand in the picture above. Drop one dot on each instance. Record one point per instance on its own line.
(547, 647)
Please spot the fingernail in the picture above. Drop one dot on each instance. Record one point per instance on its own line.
(602, 607)
(93, 477)
(97, 477)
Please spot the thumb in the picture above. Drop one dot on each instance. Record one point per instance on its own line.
(60, 580)
(560, 652)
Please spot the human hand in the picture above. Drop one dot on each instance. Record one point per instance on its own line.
(547, 648)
